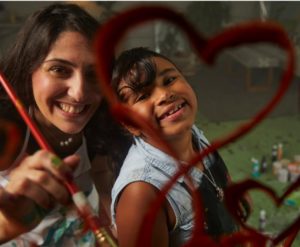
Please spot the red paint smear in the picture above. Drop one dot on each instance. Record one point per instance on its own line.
(13, 132)
(237, 190)
(107, 39)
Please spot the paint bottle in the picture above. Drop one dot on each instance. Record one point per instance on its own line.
(279, 151)
(255, 168)
(283, 175)
(262, 220)
(264, 164)
(274, 153)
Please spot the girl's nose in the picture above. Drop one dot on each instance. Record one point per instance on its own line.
(164, 96)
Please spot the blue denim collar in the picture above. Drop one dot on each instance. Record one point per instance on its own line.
(166, 163)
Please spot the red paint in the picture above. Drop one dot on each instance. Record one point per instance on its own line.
(107, 39)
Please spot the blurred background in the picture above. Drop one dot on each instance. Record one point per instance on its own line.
(241, 82)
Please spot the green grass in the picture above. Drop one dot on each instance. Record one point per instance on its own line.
(257, 143)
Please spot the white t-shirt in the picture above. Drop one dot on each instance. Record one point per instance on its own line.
(62, 226)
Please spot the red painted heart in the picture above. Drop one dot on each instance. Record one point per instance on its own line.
(253, 32)
(13, 134)
(237, 190)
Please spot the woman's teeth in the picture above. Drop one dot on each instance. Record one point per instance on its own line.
(71, 108)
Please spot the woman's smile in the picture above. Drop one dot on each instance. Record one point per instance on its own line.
(64, 87)
(72, 109)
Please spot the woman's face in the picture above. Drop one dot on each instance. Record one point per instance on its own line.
(65, 88)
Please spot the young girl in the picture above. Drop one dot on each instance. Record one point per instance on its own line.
(154, 87)
(51, 67)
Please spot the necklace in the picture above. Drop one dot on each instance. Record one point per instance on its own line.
(51, 133)
(219, 190)
(66, 142)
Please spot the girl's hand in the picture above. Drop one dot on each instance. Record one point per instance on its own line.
(245, 208)
(34, 187)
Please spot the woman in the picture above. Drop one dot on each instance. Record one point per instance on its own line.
(51, 67)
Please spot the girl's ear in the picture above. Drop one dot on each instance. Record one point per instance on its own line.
(132, 130)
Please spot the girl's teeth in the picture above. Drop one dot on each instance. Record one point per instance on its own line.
(174, 110)
(70, 108)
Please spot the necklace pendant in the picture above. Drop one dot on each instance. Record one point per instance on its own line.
(220, 193)
(67, 142)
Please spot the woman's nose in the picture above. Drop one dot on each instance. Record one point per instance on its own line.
(78, 88)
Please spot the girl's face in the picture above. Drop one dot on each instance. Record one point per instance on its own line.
(64, 85)
(168, 103)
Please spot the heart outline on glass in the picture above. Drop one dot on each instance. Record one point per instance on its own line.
(247, 33)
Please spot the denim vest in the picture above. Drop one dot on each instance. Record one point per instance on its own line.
(147, 163)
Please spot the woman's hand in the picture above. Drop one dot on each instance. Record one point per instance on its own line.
(34, 187)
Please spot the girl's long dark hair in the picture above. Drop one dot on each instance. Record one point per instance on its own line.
(136, 67)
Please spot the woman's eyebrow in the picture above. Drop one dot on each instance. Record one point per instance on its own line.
(60, 61)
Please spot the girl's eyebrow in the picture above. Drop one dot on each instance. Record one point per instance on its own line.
(122, 88)
(165, 71)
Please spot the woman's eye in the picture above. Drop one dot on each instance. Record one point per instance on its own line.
(60, 71)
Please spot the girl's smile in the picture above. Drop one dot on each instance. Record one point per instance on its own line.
(173, 112)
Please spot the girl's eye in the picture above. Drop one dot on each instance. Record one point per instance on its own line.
(60, 71)
(141, 97)
(169, 80)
